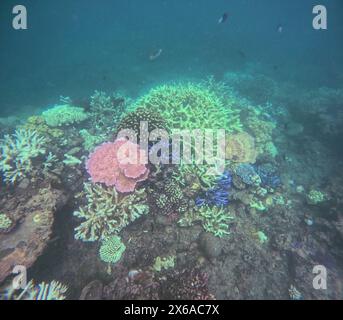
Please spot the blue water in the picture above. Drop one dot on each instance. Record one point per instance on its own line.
(73, 47)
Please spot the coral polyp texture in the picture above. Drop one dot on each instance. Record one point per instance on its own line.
(18, 152)
(63, 115)
(191, 106)
(112, 249)
(120, 164)
(5, 222)
(107, 212)
(240, 148)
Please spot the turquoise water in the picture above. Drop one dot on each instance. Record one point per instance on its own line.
(85, 69)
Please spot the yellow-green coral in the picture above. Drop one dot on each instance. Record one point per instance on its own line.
(17, 152)
(5, 222)
(191, 106)
(315, 197)
(164, 263)
(64, 114)
(107, 213)
(38, 124)
(112, 249)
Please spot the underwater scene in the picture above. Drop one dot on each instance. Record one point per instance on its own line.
(171, 150)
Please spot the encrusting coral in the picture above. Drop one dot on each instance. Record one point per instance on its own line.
(118, 164)
(107, 213)
(240, 148)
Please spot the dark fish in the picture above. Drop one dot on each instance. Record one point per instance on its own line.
(223, 18)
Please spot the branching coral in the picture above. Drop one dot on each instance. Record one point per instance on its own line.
(63, 115)
(214, 220)
(164, 263)
(190, 106)
(53, 290)
(18, 152)
(38, 124)
(106, 212)
(106, 110)
(112, 249)
(118, 164)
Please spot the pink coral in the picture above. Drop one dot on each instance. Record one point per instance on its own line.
(120, 164)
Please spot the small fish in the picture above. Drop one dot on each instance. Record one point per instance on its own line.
(223, 18)
(155, 55)
(279, 28)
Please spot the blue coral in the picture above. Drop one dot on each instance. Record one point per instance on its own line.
(218, 195)
(269, 175)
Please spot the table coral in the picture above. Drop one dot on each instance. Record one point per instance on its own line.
(65, 114)
(108, 164)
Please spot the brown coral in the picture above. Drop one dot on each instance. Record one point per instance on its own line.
(240, 148)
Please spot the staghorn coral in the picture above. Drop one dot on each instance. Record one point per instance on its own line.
(111, 249)
(63, 115)
(18, 152)
(108, 164)
(215, 220)
(240, 148)
(53, 290)
(107, 213)
(190, 106)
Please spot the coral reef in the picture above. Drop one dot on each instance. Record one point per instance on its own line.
(18, 152)
(111, 249)
(53, 290)
(118, 164)
(164, 263)
(217, 195)
(240, 148)
(5, 222)
(248, 174)
(64, 115)
(107, 213)
(190, 106)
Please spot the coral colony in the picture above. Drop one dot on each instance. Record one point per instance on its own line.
(176, 189)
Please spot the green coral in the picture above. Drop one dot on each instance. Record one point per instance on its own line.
(107, 213)
(106, 111)
(17, 152)
(5, 222)
(91, 141)
(164, 263)
(112, 249)
(191, 106)
(63, 115)
(53, 290)
(214, 220)
(315, 197)
(71, 160)
(262, 237)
